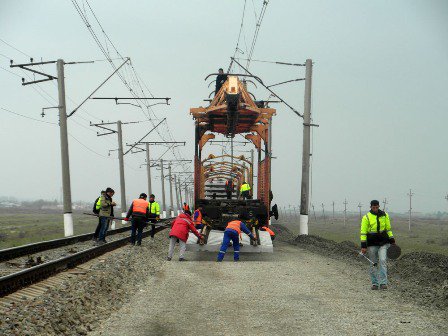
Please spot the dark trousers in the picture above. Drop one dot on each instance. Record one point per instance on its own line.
(137, 227)
(245, 194)
(97, 230)
(104, 226)
(229, 194)
(152, 219)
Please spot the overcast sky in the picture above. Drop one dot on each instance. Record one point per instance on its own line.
(379, 92)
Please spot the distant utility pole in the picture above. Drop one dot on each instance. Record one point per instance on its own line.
(171, 191)
(410, 207)
(446, 197)
(384, 204)
(333, 214)
(136, 149)
(323, 213)
(66, 188)
(360, 210)
(177, 194)
(121, 154)
(162, 177)
(306, 153)
(345, 212)
(314, 213)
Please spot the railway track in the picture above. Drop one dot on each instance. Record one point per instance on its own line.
(21, 279)
(20, 251)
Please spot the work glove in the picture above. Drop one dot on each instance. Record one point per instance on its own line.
(126, 219)
(157, 218)
(392, 241)
(363, 250)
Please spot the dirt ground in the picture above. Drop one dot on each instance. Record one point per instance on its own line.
(292, 291)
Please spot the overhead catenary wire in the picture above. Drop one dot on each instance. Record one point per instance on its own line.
(130, 79)
(257, 30)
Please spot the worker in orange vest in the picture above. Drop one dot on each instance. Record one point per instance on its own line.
(271, 233)
(185, 207)
(197, 218)
(232, 233)
(140, 213)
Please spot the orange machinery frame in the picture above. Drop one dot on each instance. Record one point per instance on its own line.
(249, 119)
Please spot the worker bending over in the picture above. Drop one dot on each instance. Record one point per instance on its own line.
(181, 226)
(245, 190)
(376, 237)
(139, 211)
(154, 214)
(232, 233)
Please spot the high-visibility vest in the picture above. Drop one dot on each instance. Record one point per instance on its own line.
(235, 225)
(198, 220)
(268, 230)
(154, 208)
(186, 207)
(245, 187)
(369, 225)
(139, 205)
(98, 204)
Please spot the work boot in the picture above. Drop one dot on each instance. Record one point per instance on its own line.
(384, 287)
(374, 287)
(168, 258)
(182, 259)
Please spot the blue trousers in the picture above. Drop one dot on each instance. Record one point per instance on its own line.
(104, 226)
(230, 235)
(378, 254)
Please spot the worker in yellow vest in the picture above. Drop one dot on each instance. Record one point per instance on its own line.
(154, 213)
(245, 191)
(376, 237)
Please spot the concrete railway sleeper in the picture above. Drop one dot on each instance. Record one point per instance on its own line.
(16, 281)
(20, 251)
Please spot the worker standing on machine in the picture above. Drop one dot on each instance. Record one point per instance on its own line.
(154, 214)
(197, 218)
(231, 233)
(229, 188)
(139, 210)
(220, 79)
(376, 237)
(245, 191)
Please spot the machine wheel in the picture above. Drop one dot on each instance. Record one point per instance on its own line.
(205, 231)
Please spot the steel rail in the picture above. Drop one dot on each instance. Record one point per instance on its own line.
(15, 281)
(20, 251)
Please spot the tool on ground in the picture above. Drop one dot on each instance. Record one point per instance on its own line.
(394, 251)
(373, 263)
(122, 218)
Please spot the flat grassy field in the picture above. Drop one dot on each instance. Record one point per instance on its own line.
(19, 227)
(429, 235)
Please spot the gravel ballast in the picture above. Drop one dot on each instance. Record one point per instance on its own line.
(83, 302)
(308, 287)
